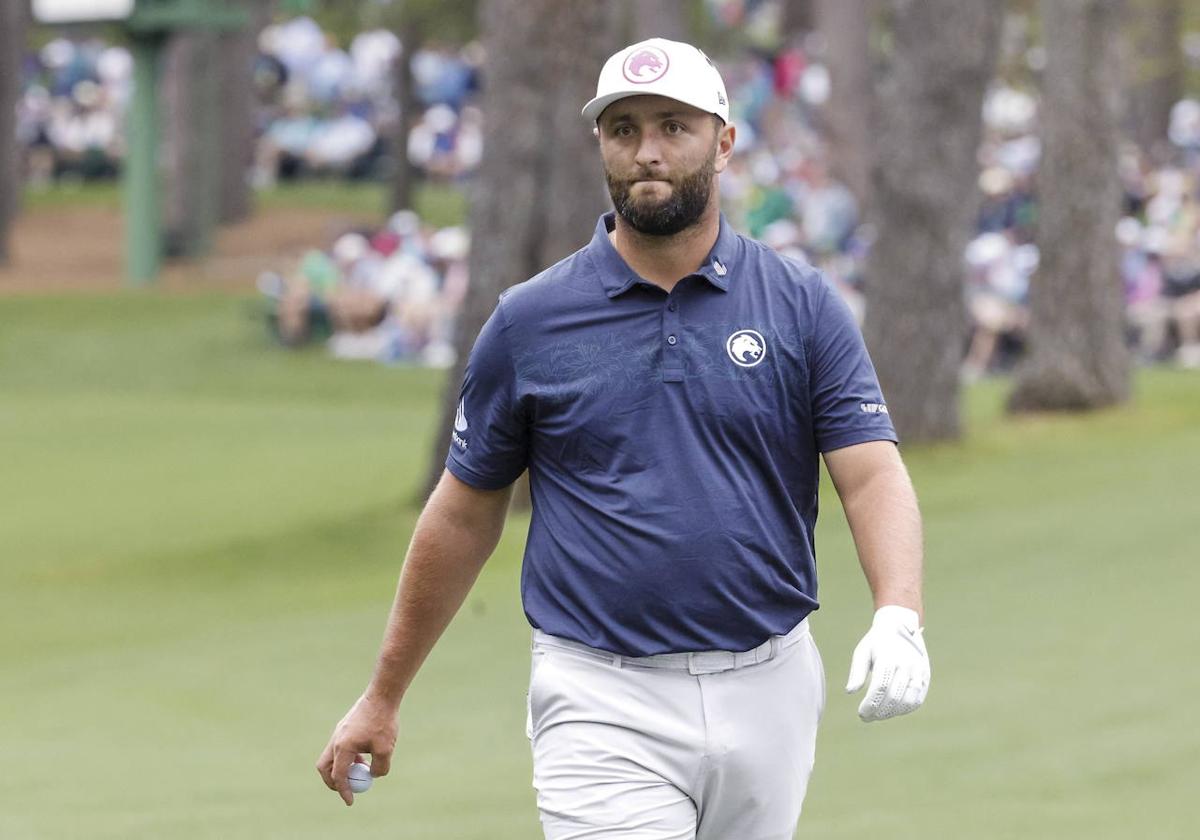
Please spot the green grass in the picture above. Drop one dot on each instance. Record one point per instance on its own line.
(200, 536)
(438, 204)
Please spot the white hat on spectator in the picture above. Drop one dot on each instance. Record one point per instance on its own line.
(404, 223)
(350, 247)
(1129, 231)
(57, 53)
(995, 181)
(86, 93)
(450, 243)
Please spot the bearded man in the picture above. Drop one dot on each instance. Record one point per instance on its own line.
(671, 388)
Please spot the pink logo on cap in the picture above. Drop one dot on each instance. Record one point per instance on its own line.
(645, 65)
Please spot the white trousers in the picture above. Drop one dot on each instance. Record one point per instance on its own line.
(701, 746)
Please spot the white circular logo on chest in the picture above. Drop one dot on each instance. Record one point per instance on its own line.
(746, 348)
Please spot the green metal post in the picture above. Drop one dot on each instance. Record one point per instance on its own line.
(143, 218)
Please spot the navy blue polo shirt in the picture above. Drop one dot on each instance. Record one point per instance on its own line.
(672, 441)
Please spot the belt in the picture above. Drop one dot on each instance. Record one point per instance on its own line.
(698, 662)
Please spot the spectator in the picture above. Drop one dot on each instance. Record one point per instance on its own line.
(393, 295)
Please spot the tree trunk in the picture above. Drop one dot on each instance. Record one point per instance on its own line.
(238, 51)
(1077, 355)
(574, 194)
(12, 47)
(657, 19)
(846, 29)
(407, 176)
(531, 201)
(925, 200)
(801, 16)
(1155, 70)
(191, 142)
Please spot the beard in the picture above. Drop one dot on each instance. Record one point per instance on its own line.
(665, 217)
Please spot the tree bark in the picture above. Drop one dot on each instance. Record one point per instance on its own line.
(657, 19)
(191, 115)
(1155, 70)
(800, 16)
(538, 191)
(846, 29)
(575, 193)
(415, 23)
(406, 177)
(12, 46)
(1077, 356)
(237, 53)
(923, 191)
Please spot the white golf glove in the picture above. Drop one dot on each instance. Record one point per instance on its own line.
(893, 652)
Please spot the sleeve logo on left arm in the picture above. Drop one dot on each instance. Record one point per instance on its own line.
(460, 425)
(873, 408)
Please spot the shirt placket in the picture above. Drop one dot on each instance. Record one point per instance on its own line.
(672, 338)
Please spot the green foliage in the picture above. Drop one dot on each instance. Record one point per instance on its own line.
(202, 534)
(453, 21)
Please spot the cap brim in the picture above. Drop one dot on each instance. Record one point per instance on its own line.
(595, 108)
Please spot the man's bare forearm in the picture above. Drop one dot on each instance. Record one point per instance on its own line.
(886, 524)
(881, 509)
(454, 536)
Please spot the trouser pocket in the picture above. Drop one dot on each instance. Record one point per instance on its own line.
(819, 667)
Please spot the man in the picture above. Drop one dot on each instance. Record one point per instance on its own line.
(669, 388)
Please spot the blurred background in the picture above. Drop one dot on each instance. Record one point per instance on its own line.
(245, 247)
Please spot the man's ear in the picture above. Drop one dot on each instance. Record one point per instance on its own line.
(726, 136)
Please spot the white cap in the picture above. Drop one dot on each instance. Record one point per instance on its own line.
(665, 68)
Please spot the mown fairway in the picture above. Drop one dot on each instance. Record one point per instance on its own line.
(200, 536)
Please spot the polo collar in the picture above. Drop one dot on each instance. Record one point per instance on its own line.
(618, 277)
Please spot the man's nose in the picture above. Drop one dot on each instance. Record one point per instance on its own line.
(649, 152)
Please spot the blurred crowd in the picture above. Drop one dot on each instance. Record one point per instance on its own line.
(389, 294)
(780, 189)
(70, 116)
(1158, 237)
(322, 110)
(392, 293)
(331, 111)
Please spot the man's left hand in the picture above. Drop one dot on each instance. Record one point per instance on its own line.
(893, 653)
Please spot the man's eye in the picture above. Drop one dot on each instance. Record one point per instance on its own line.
(624, 131)
(674, 128)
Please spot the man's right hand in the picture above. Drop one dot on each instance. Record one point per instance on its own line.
(368, 728)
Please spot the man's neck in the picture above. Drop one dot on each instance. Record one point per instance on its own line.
(665, 260)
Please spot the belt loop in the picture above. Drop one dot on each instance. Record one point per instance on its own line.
(616, 660)
(776, 643)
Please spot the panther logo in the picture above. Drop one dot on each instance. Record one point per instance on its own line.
(746, 348)
(648, 64)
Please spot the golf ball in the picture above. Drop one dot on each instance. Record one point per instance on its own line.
(360, 777)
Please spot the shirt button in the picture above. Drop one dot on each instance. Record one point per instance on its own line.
(671, 340)
(672, 306)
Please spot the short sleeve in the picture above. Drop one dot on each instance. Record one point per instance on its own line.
(490, 439)
(848, 404)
